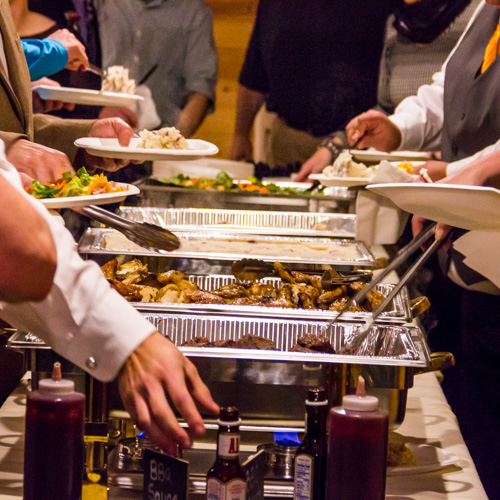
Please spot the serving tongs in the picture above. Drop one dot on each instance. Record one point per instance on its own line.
(146, 235)
(356, 345)
(256, 269)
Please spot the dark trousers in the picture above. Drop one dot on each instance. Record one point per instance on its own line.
(472, 388)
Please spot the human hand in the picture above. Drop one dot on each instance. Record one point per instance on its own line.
(38, 162)
(126, 114)
(318, 161)
(241, 149)
(436, 170)
(373, 129)
(157, 368)
(46, 106)
(112, 128)
(77, 57)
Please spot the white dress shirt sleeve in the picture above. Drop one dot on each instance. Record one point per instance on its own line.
(82, 318)
(420, 117)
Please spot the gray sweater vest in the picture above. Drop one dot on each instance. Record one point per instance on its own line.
(472, 99)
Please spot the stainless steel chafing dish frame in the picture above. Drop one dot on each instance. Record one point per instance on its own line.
(312, 224)
(400, 312)
(156, 194)
(94, 239)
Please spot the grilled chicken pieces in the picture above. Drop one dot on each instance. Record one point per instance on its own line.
(297, 290)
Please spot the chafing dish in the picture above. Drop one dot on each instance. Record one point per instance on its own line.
(245, 221)
(156, 194)
(340, 251)
(400, 312)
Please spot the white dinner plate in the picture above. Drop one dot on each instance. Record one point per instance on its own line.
(429, 458)
(86, 96)
(466, 207)
(329, 181)
(111, 148)
(372, 155)
(93, 199)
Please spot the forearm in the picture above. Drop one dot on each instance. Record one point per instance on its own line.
(193, 114)
(27, 248)
(484, 171)
(44, 57)
(248, 104)
(60, 134)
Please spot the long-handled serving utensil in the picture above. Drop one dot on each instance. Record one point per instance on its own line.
(356, 343)
(146, 235)
(400, 257)
(98, 71)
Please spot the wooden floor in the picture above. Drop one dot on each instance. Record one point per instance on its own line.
(233, 22)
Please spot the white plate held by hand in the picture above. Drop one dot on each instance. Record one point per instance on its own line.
(111, 148)
(86, 96)
(93, 199)
(466, 207)
(327, 180)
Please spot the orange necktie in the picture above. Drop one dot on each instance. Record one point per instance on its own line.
(492, 50)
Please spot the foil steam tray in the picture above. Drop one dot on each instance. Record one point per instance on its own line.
(396, 345)
(246, 221)
(398, 312)
(341, 251)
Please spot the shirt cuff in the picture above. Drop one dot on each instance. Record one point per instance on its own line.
(411, 138)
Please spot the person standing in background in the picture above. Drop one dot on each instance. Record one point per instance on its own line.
(314, 64)
(419, 38)
(459, 112)
(176, 38)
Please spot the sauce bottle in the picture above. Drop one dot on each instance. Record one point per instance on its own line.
(310, 459)
(54, 449)
(226, 480)
(357, 448)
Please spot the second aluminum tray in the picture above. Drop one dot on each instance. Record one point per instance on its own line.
(399, 311)
(246, 221)
(284, 248)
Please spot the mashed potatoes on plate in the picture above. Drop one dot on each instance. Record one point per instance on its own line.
(117, 80)
(345, 166)
(165, 138)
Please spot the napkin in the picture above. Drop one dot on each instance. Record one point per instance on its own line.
(480, 249)
(379, 221)
(147, 116)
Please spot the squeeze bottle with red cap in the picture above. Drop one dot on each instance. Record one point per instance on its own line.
(54, 448)
(357, 448)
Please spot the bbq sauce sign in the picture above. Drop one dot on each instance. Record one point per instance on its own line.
(165, 478)
(255, 468)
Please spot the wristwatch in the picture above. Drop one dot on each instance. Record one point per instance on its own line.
(333, 148)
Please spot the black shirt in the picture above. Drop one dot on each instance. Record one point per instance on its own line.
(317, 61)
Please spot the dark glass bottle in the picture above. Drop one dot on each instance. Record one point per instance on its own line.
(310, 459)
(54, 449)
(227, 479)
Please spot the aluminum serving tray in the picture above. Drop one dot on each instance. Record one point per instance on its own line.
(399, 312)
(93, 241)
(246, 221)
(397, 346)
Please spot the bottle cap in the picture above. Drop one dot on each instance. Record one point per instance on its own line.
(360, 401)
(316, 396)
(56, 384)
(229, 415)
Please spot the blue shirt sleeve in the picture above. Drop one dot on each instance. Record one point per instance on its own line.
(44, 57)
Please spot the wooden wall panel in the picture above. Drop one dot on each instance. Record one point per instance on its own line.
(233, 22)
